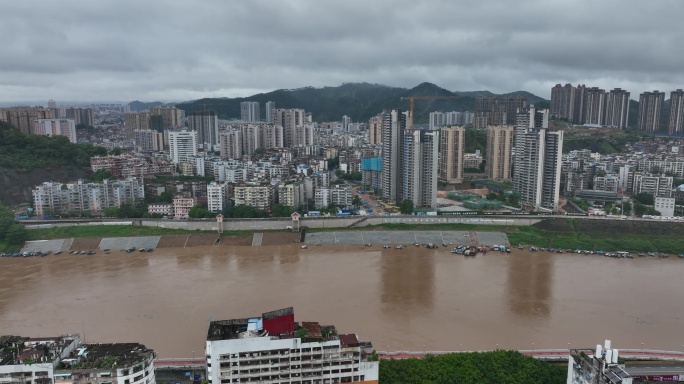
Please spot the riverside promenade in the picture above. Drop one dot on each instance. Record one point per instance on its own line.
(549, 354)
(541, 354)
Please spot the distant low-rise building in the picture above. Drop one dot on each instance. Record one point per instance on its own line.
(217, 196)
(656, 185)
(665, 205)
(131, 165)
(182, 206)
(165, 210)
(257, 195)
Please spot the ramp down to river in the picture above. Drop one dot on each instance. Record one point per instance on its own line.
(407, 237)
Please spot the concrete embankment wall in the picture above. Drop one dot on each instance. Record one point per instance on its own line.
(276, 224)
(332, 222)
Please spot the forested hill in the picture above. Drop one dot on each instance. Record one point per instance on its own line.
(28, 160)
(360, 101)
(26, 152)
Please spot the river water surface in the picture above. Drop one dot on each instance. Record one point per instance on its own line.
(412, 299)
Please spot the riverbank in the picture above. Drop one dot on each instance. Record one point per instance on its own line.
(606, 235)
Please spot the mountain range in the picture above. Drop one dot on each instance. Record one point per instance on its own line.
(360, 101)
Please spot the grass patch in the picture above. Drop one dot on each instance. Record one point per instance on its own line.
(104, 231)
(572, 236)
(6, 248)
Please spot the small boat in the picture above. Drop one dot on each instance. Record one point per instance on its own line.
(304, 246)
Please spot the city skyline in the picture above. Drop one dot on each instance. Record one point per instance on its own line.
(116, 51)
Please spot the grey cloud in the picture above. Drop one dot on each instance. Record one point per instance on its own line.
(178, 50)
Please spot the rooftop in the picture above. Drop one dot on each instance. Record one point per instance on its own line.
(108, 356)
(277, 324)
(22, 350)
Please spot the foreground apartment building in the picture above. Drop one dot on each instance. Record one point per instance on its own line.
(273, 348)
(64, 360)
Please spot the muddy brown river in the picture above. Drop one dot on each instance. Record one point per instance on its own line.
(412, 299)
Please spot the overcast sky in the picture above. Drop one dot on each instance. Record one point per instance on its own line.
(180, 50)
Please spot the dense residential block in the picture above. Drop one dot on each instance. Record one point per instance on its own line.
(56, 198)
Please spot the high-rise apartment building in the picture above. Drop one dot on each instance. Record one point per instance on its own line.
(148, 140)
(273, 348)
(270, 108)
(595, 106)
(419, 162)
(409, 162)
(249, 111)
(52, 104)
(136, 120)
(563, 101)
(617, 108)
(171, 117)
(437, 120)
(375, 130)
(499, 149)
(495, 110)
(393, 126)
(205, 123)
(346, 120)
(289, 119)
(451, 144)
(55, 127)
(583, 105)
(81, 115)
(230, 144)
(538, 154)
(676, 124)
(182, 145)
(650, 107)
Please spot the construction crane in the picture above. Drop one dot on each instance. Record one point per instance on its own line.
(412, 99)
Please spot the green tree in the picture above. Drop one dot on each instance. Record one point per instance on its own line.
(111, 212)
(356, 201)
(26, 152)
(199, 212)
(334, 162)
(116, 151)
(244, 211)
(406, 207)
(639, 209)
(280, 210)
(16, 234)
(100, 175)
(645, 198)
(86, 127)
(5, 224)
(165, 197)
